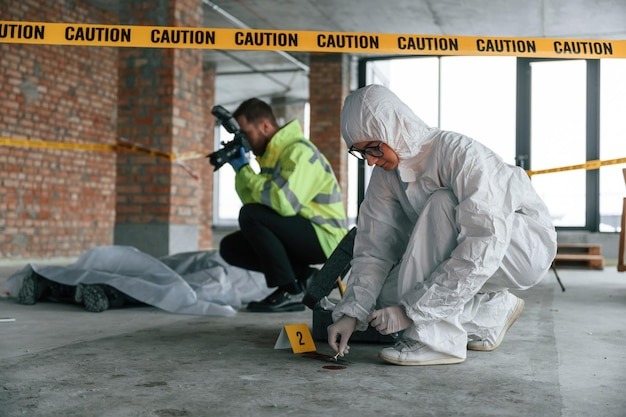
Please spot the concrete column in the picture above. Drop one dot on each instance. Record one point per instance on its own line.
(206, 170)
(160, 96)
(329, 83)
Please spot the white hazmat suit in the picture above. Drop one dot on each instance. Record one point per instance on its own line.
(446, 234)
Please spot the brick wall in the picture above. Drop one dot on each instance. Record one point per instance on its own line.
(329, 83)
(146, 82)
(188, 132)
(56, 202)
(161, 106)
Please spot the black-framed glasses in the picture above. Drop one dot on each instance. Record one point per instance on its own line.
(374, 151)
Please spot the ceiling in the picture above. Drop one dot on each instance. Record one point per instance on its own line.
(243, 74)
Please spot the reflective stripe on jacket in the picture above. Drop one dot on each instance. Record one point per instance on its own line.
(296, 178)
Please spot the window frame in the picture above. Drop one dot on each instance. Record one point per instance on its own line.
(523, 129)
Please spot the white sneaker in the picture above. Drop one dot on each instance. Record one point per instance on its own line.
(412, 352)
(486, 345)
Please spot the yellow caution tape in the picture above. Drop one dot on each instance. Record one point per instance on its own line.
(44, 33)
(122, 145)
(185, 156)
(132, 147)
(594, 164)
(40, 144)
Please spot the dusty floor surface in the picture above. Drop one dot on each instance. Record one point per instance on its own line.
(565, 356)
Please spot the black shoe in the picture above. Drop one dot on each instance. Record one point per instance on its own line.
(93, 297)
(31, 290)
(37, 288)
(99, 297)
(277, 302)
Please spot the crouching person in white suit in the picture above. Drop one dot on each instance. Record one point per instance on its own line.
(445, 230)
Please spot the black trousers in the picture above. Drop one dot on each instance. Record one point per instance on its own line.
(280, 247)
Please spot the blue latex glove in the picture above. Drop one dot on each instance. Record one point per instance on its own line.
(240, 161)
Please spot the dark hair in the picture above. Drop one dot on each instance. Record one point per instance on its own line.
(254, 110)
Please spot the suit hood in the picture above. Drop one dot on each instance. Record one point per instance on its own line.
(375, 113)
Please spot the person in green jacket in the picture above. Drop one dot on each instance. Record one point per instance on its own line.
(293, 214)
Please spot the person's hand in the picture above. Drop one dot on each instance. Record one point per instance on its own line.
(342, 330)
(389, 320)
(240, 160)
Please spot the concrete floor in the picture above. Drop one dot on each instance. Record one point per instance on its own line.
(565, 356)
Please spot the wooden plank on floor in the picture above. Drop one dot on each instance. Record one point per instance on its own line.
(590, 248)
(579, 259)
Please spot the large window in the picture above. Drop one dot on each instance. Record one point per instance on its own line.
(416, 82)
(612, 141)
(558, 137)
(558, 113)
(470, 95)
(575, 114)
(478, 100)
(226, 203)
(477, 96)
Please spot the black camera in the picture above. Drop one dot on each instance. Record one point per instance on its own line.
(230, 149)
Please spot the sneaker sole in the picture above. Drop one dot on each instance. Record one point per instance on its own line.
(519, 307)
(27, 294)
(441, 361)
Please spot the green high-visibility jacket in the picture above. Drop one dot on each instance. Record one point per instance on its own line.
(296, 178)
